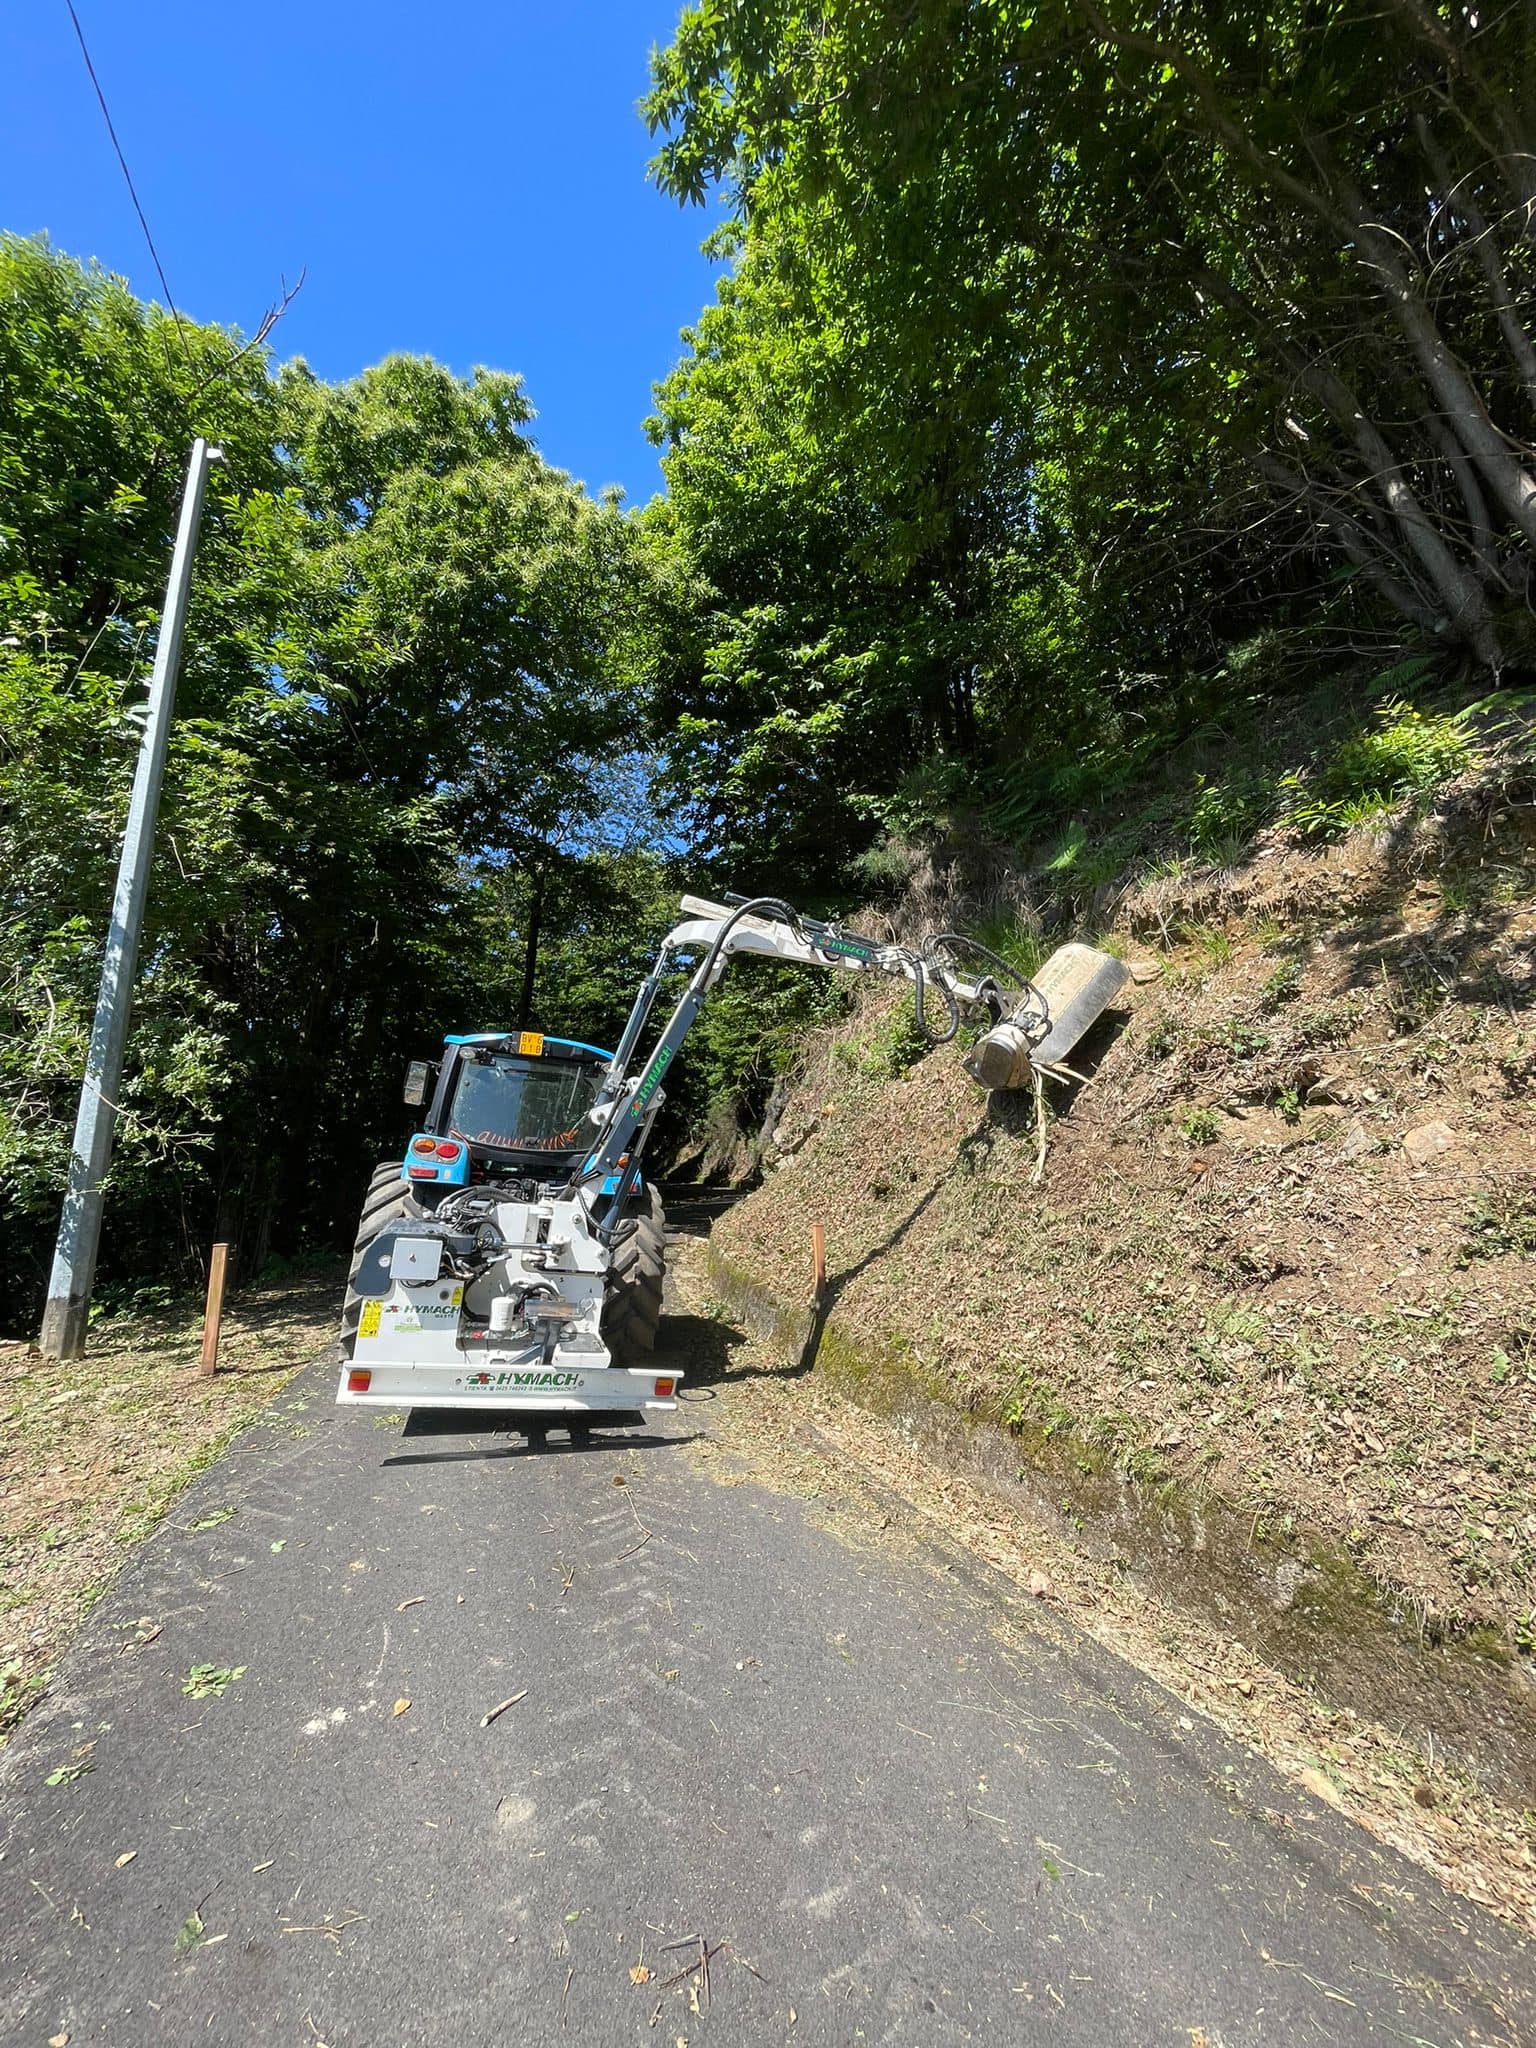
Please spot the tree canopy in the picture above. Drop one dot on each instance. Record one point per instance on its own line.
(1078, 373)
(409, 692)
(1087, 340)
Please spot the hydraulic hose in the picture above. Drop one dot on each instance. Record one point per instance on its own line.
(1029, 999)
(813, 933)
(629, 1172)
(938, 939)
(922, 970)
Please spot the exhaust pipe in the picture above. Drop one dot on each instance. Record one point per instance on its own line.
(1068, 995)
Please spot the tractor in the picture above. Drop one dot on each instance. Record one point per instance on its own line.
(514, 1259)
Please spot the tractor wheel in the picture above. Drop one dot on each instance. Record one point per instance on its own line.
(636, 1275)
(388, 1200)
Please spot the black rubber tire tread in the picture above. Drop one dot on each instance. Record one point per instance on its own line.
(384, 1191)
(636, 1278)
(388, 1199)
(376, 1215)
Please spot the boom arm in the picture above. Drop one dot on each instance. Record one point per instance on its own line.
(762, 925)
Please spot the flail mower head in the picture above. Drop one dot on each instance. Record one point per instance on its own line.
(1047, 1019)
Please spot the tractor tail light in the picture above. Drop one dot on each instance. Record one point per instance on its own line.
(423, 1144)
(359, 1380)
(447, 1149)
(664, 1389)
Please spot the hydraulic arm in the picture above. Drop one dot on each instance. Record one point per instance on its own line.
(764, 925)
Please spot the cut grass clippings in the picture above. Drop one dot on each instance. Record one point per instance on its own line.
(1282, 1249)
(877, 1491)
(93, 1452)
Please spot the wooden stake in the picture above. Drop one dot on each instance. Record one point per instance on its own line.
(818, 1262)
(213, 1313)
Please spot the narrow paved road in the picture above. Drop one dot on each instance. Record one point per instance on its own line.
(888, 1816)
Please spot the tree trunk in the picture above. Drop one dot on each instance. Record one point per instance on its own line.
(1362, 548)
(1479, 521)
(531, 948)
(1463, 600)
(1509, 479)
(1456, 196)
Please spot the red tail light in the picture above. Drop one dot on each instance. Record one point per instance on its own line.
(359, 1380)
(447, 1149)
(665, 1389)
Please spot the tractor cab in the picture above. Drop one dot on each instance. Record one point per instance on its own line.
(508, 1106)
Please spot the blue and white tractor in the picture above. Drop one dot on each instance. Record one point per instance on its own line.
(515, 1257)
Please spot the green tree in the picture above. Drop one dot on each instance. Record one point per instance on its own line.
(1242, 264)
(415, 655)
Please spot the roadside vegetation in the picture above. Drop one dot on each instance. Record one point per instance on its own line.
(1100, 502)
(1280, 1257)
(405, 739)
(1087, 395)
(96, 1451)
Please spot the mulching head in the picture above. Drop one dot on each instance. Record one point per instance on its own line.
(1066, 998)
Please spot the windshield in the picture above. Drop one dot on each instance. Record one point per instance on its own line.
(522, 1105)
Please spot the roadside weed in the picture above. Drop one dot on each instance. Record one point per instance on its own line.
(211, 1681)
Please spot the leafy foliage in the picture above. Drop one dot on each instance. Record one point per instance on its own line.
(1067, 349)
(1403, 754)
(411, 687)
(1083, 380)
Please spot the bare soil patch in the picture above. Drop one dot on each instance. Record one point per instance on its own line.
(1285, 1244)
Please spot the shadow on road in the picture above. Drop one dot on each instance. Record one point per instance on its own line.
(703, 1347)
(529, 1440)
(525, 1436)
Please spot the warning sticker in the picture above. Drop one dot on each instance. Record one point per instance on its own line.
(369, 1325)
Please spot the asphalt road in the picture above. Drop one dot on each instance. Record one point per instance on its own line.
(889, 1815)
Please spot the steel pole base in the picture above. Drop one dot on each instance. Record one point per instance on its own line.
(64, 1326)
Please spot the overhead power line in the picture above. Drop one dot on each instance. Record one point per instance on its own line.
(106, 115)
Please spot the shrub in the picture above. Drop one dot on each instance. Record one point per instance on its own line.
(885, 1051)
(1501, 1223)
(1224, 816)
(1405, 755)
(1163, 1038)
(1283, 986)
(1246, 1039)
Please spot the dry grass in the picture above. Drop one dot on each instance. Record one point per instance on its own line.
(92, 1453)
(796, 1436)
(1234, 1275)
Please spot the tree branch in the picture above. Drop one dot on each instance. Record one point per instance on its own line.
(1456, 197)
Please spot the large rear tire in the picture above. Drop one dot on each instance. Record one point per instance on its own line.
(388, 1200)
(636, 1278)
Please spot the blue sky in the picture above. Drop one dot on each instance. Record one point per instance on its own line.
(465, 183)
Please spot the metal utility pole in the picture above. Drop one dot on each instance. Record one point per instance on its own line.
(74, 1258)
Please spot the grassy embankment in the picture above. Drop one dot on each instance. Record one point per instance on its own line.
(1266, 1330)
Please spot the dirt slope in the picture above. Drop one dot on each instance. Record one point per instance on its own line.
(1281, 1261)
